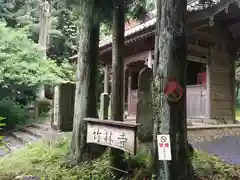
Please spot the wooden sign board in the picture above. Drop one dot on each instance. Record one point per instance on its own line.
(114, 134)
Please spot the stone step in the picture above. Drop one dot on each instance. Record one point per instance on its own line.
(24, 137)
(44, 132)
(32, 131)
(4, 151)
(39, 132)
(10, 144)
(41, 126)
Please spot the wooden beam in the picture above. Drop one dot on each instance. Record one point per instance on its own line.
(195, 24)
(142, 56)
(224, 33)
(208, 36)
(207, 13)
(231, 21)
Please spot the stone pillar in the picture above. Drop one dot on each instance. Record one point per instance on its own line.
(104, 99)
(63, 107)
(106, 79)
(124, 93)
(149, 59)
(129, 90)
(144, 110)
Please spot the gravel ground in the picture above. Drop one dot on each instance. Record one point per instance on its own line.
(224, 143)
(197, 136)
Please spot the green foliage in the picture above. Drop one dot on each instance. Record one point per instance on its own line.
(211, 167)
(64, 21)
(238, 114)
(14, 114)
(44, 106)
(22, 65)
(1, 125)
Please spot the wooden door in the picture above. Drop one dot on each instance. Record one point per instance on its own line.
(196, 101)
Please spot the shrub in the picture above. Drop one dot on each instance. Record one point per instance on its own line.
(44, 106)
(23, 68)
(14, 114)
(1, 125)
(238, 103)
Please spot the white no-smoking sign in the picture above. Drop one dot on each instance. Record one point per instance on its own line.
(164, 147)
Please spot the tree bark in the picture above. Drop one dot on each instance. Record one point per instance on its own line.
(117, 77)
(43, 36)
(93, 64)
(157, 34)
(43, 42)
(237, 91)
(85, 94)
(170, 117)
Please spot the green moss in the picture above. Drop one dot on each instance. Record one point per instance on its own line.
(51, 161)
(212, 167)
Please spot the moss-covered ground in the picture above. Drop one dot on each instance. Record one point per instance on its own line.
(50, 161)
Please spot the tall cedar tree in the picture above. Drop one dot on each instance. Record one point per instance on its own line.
(85, 95)
(116, 155)
(170, 117)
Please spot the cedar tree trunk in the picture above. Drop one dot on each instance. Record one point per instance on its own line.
(85, 94)
(117, 77)
(170, 117)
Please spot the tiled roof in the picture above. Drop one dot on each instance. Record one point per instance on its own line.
(193, 5)
(130, 31)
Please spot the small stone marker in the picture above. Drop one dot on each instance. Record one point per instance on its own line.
(164, 147)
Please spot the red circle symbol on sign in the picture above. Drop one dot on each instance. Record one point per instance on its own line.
(163, 139)
(173, 91)
(163, 143)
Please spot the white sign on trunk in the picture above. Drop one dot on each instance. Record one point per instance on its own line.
(117, 136)
(164, 147)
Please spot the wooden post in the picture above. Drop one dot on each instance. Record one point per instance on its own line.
(233, 83)
(117, 156)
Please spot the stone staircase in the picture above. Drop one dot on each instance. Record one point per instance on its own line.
(17, 139)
